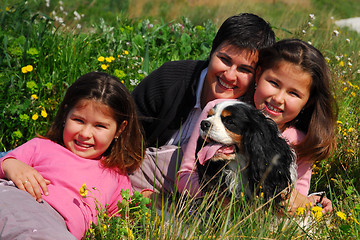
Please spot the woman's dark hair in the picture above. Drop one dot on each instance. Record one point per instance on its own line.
(126, 152)
(318, 117)
(244, 31)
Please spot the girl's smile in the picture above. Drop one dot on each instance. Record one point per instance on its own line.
(282, 92)
(89, 129)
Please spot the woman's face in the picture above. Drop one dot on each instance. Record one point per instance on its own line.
(229, 74)
(282, 92)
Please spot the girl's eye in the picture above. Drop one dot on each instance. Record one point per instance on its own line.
(295, 94)
(78, 120)
(275, 84)
(100, 126)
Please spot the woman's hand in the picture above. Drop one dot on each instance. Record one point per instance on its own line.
(25, 177)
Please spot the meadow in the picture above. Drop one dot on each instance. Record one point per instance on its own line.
(46, 45)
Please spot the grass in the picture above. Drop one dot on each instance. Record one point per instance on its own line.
(133, 38)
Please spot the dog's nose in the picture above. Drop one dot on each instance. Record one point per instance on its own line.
(205, 125)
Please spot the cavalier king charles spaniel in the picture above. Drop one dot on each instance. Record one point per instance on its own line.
(242, 153)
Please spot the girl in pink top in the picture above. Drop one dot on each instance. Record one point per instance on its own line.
(95, 140)
(292, 88)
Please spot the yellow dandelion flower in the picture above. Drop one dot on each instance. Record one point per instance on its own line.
(261, 194)
(104, 227)
(111, 58)
(23, 70)
(316, 212)
(34, 96)
(29, 68)
(107, 59)
(345, 89)
(83, 190)
(353, 94)
(130, 234)
(350, 151)
(101, 59)
(122, 81)
(351, 129)
(341, 64)
(344, 134)
(339, 122)
(104, 66)
(316, 209)
(341, 215)
(354, 219)
(126, 52)
(35, 117)
(300, 211)
(44, 113)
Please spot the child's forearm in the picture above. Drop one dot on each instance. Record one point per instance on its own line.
(188, 183)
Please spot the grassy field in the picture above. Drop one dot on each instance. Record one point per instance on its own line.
(46, 45)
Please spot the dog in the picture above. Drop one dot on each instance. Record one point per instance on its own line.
(241, 153)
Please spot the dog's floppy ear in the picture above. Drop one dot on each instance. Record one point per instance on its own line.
(270, 155)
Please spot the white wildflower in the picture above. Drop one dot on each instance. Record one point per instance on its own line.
(77, 15)
(336, 33)
(134, 82)
(347, 40)
(312, 16)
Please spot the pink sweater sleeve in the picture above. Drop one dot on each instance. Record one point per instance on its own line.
(187, 177)
(304, 165)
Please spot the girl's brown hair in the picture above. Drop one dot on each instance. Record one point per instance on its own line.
(124, 153)
(318, 117)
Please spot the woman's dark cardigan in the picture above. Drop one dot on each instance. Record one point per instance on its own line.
(165, 98)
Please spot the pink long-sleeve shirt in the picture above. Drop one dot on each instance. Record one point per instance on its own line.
(188, 179)
(67, 173)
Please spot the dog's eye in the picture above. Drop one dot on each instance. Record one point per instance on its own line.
(228, 120)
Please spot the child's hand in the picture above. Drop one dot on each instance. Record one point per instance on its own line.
(324, 202)
(293, 202)
(25, 177)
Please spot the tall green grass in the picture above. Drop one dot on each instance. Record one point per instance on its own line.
(107, 39)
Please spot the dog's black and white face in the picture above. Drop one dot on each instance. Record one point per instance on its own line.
(244, 142)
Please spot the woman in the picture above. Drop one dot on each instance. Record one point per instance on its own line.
(170, 100)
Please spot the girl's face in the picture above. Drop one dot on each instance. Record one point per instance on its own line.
(229, 74)
(282, 92)
(90, 128)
